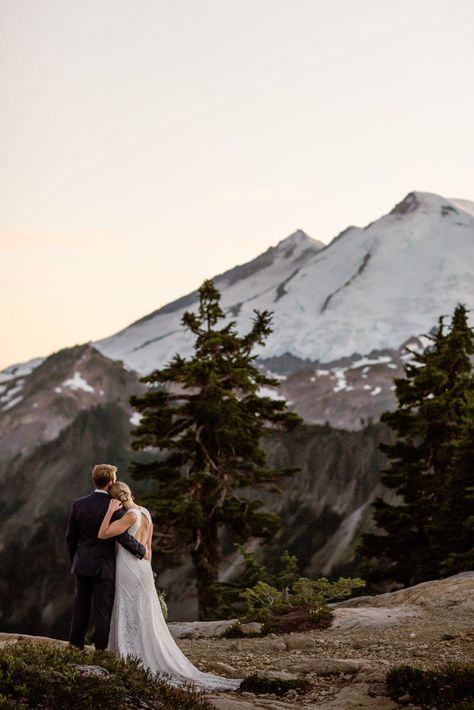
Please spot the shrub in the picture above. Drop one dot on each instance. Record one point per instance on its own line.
(42, 675)
(259, 684)
(300, 618)
(161, 594)
(302, 606)
(234, 632)
(282, 601)
(451, 686)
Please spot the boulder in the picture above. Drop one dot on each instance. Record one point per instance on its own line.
(91, 670)
(331, 666)
(252, 627)
(298, 642)
(7, 639)
(350, 618)
(356, 697)
(435, 594)
(278, 675)
(222, 668)
(199, 629)
(251, 702)
(221, 703)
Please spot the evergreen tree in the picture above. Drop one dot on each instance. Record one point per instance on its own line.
(456, 515)
(431, 462)
(207, 418)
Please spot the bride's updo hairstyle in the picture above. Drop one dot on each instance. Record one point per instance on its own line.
(121, 492)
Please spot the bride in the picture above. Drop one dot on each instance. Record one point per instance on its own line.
(138, 627)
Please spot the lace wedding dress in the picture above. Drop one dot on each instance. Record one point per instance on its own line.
(138, 627)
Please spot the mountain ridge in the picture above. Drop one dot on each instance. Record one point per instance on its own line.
(319, 291)
(371, 287)
(287, 244)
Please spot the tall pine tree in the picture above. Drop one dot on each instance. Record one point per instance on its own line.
(426, 532)
(206, 417)
(455, 519)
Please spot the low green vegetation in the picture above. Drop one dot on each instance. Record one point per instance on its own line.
(300, 607)
(259, 684)
(44, 676)
(445, 688)
(285, 601)
(161, 594)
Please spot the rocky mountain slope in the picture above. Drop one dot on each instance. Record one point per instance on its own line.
(40, 399)
(48, 462)
(349, 392)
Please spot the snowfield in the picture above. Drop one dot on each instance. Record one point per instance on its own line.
(370, 288)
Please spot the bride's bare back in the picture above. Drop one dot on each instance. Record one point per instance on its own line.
(145, 531)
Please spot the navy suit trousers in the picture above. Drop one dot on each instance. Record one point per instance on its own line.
(101, 592)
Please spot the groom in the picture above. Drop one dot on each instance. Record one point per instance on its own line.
(93, 560)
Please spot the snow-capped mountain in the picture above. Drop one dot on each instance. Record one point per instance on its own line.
(154, 339)
(342, 314)
(371, 288)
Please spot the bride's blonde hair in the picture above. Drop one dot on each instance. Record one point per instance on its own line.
(120, 491)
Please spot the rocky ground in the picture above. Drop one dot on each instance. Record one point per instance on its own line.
(423, 626)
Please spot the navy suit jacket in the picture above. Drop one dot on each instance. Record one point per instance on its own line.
(91, 557)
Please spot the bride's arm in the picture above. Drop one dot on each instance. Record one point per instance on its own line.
(109, 529)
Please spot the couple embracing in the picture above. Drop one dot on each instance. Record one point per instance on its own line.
(109, 540)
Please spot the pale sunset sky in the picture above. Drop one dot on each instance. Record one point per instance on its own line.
(145, 146)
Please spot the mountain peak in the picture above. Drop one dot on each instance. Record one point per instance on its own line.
(299, 237)
(296, 236)
(409, 204)
(434, 205)
(429, 201)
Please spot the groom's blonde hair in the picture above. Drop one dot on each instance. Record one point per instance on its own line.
(103, 473)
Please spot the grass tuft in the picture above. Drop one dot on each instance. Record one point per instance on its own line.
(446, 687)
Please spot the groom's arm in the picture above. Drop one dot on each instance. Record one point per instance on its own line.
(72, 535)
(131, 545)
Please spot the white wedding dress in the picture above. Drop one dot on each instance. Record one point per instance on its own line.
(138, 627)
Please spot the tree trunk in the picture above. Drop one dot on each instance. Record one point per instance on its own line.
(206, 565)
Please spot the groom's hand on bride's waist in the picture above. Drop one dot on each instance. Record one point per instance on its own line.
(148, 553)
